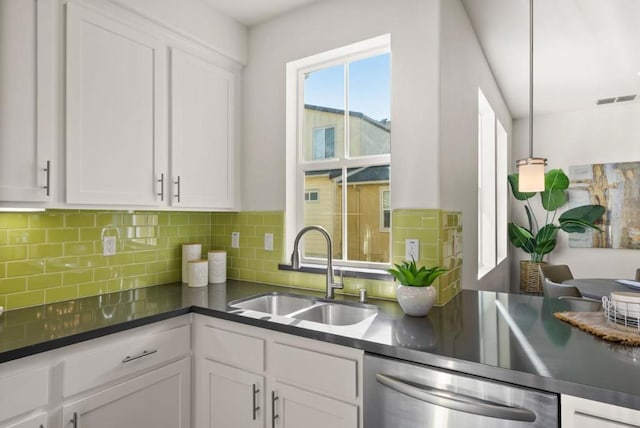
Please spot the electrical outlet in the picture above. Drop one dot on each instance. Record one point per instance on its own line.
(235, 239)
(412, 249)
(268, 241)
(109, 246)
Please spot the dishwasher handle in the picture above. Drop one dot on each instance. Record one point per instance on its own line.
(456, 401)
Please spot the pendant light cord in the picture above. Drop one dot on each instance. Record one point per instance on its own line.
(530, 78)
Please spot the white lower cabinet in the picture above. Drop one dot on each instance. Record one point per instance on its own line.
(582, 413)
(294, 407)
(158, 399)
(232, 397)
(37, 421)
(24, 393)
(252, 377)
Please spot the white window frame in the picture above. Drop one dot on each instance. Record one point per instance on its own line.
(492, 188)
(295, 163)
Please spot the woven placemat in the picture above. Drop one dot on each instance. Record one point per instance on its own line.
(596, 324)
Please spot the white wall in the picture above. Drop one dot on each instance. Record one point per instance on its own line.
(414, 29)
(464, 69)
(200, 21)
(597, 135)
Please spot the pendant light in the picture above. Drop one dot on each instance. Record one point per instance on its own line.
(531, 169)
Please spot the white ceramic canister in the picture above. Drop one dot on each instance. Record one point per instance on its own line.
(189, 252)
(198, 273)
(217, 266)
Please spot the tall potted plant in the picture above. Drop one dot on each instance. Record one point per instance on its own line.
(539, 239)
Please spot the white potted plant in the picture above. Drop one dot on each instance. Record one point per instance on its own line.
(415, 293)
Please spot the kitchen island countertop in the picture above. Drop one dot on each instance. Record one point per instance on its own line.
(507, 337)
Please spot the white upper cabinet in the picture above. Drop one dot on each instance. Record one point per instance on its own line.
(116, 125)
(150, 113)
(202, 131)
(27, 106)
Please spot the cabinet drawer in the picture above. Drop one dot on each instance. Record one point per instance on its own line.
(234, 349)
(315, 371)
(23, 391)
(112, 360)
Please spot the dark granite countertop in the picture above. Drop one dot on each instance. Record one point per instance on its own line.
(507, 337)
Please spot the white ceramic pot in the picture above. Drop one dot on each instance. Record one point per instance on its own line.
(416, 301)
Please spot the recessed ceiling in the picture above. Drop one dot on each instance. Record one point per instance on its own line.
(252, 12)
(584, 50)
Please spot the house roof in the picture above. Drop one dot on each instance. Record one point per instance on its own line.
(356, 175)
(384, 124)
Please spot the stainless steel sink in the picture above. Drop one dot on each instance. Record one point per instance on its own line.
(336, 314)
(274, 303)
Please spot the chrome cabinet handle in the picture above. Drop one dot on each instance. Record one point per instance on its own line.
(74, 420)
(177, 183)
(255, 409)
(161, 181)
(451, 400)
(47, 186)
(274, 415)
(143, 354)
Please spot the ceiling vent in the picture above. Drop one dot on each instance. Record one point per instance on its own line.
(614, 100)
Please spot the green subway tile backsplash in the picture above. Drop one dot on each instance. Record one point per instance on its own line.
(57, 255)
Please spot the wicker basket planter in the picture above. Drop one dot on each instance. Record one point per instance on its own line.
(530, 281)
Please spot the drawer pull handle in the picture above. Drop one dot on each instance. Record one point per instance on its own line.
(143, 354)
(274, 415)
(74, 420)
(256, 390)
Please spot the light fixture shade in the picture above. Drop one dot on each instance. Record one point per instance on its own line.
(531, 174)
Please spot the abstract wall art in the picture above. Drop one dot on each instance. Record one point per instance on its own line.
(616, 186)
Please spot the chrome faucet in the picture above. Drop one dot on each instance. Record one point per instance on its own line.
(295, 257)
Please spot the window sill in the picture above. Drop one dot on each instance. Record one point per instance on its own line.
(347, 272)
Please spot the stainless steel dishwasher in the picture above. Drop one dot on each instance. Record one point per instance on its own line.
(404, 395)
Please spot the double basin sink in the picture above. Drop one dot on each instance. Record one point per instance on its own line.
(323, 311)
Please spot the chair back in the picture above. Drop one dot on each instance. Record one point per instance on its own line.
(555, 273)
(637, 274)
(552, 289)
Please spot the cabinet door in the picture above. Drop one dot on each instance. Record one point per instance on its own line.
(202, 132)
(293, 407)
(115, 102)
(581, 413)
(37, 421)
(228, 397)
(26, 100)
(158, 399)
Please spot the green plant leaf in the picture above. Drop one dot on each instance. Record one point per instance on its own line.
(521, 238)
(556, 179)
(553, 199)
(513, 182)
(579, 219)
(530, 217)
(408, 273)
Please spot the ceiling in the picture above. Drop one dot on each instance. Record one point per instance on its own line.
(252, 12)
(584, 50)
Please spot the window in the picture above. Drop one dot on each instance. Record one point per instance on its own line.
(338, 146)
(311, 196)
(492, 188)
(323, 144)
(385, 209)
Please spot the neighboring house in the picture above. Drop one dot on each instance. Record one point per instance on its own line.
(368, 206)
